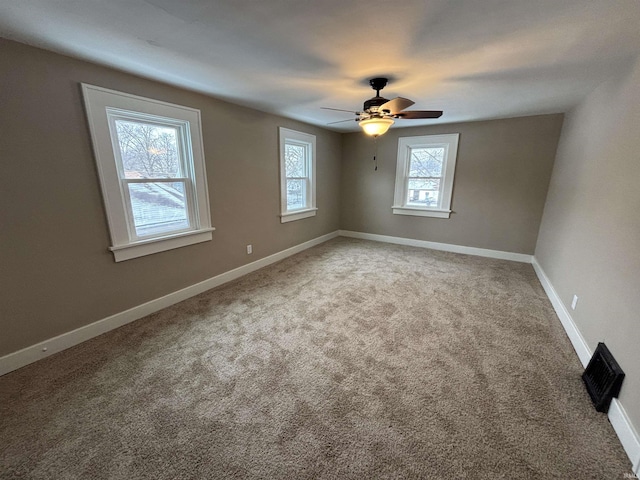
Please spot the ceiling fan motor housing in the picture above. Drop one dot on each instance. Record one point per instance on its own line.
(373, 103)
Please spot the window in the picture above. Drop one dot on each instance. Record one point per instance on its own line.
(424, 175)
(297, 175)
(151, 165)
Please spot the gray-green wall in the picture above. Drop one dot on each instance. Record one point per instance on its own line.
(55, 271)
(589, 242)
(501, 179)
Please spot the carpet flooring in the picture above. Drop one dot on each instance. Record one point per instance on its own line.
(350, 360)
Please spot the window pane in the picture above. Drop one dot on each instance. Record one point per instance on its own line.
(148, 151)
(296, 193)
(423, 192)
(295, 161)
(158, 207)
(426, 162)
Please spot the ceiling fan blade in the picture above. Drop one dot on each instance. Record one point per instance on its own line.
(339, 110)
(414, 114)
(396, 105)
(341, 121)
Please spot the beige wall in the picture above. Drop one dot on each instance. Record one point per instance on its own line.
(589, 241)
(501, 180)
(55, 271)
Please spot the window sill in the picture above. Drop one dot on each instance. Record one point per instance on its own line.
(156, 245)
(422, 212)
(298, 215)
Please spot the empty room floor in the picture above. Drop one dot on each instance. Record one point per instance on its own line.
(350, 360)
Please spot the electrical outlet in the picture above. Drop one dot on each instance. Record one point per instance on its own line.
(574, 302)
(249, 249)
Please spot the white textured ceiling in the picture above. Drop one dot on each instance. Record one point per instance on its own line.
(474, 59)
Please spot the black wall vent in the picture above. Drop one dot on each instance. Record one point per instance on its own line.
(603, 378)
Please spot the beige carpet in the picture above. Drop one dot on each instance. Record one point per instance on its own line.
(351, 360)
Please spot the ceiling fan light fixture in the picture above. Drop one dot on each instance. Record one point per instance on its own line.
(376, 126)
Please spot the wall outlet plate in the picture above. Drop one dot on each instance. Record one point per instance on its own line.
(574, 302)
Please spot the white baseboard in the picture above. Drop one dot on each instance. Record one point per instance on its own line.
(447, 247)
(626, 433)
(620, 422)
(28, 355)
(577, 340)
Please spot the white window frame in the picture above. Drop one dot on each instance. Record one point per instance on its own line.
(307, 141)
(103, 107)
(405, 144)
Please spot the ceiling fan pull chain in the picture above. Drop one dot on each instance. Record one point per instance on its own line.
(375, 154)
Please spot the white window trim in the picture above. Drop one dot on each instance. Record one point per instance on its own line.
(124, 246)
(310, 209)
(405, 144)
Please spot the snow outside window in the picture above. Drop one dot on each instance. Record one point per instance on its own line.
(424, 175)
(151, 164)
(297, 175)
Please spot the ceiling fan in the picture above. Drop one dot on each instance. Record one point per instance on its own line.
(378, 112)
